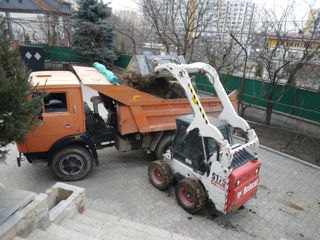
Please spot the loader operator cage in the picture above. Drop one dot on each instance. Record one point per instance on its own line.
(193, 149)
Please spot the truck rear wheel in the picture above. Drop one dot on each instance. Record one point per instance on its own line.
(160, 174)
(72, 163)
(163, 145)
(190, 195)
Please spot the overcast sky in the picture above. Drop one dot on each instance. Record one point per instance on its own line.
(301, 5)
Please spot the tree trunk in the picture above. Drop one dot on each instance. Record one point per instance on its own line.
(269, 108)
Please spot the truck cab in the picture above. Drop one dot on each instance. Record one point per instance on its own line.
(62, 134)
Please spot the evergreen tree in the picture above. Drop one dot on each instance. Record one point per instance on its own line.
(92, 35)
(17, 113)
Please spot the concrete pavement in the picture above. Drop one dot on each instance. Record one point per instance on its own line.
(287, 207)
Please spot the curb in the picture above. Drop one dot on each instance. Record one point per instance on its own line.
(284, 155)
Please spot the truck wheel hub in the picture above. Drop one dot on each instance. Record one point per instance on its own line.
(71, 164)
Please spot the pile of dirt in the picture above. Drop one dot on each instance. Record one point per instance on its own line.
(160, 87)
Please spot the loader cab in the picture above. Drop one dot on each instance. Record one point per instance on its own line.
(192, 149)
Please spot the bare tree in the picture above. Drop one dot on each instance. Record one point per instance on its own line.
(178, 22)
(285, 51)
(129, 29)
(51, 28)
(225, 57)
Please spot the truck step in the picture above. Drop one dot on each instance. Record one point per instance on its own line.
(40, 162)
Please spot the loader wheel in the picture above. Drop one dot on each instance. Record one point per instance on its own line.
(160, 174)
(190, 195)
(163, 146)
(71, 163)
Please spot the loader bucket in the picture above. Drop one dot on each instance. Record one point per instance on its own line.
(142, 65)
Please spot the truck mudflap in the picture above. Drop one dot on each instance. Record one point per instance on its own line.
(243, 184)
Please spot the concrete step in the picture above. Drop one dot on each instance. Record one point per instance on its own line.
(18, 238)
(108, 233)
(65, 232)
(39, 234)
(105, 224)
(121, 227)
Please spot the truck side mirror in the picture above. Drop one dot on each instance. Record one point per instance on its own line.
(40, 117)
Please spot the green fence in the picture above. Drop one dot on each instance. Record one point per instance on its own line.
(62, 54)
(295, 101)
(67, 54)
(123, 61)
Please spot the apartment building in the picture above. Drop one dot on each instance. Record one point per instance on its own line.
(313, 22)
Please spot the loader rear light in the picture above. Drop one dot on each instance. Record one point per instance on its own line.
(237, 182)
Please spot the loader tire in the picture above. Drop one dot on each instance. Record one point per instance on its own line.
(163, 145)
(71, 163)
(190, 195)
(160, 174)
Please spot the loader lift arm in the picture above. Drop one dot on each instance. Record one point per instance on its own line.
(200, 120)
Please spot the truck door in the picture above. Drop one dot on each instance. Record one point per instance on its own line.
(56, 121)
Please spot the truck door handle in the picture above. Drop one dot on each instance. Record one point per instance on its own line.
(68, 126)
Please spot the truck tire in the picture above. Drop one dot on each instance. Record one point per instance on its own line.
(71, 163)
(190, 195)
(160, 174)
(163, 145)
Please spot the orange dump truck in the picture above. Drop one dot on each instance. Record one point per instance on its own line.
(69, 133)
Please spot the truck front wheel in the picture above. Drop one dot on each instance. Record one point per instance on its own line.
(72, 163)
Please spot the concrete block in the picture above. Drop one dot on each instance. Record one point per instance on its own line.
(32, 216)
(65, 200)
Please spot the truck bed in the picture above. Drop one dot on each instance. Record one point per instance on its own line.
(139, 111)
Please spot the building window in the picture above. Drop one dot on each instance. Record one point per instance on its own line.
(292, 55)
(276, 53)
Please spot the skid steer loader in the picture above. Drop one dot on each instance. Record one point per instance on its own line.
(202, 157)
